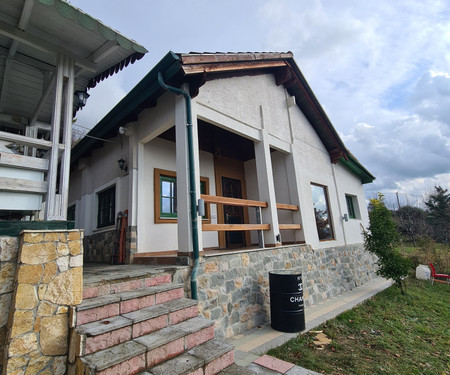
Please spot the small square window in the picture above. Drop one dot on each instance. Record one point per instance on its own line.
(165, 185)
(106, 209)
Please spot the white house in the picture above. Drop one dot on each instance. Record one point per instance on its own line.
(259, 134)
(245, 133)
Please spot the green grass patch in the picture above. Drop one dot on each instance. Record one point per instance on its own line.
(388, 334)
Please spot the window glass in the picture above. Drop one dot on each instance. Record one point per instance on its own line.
(350, 207)
(71, 213)
(322, 212)
(106, 210)
(168, 196)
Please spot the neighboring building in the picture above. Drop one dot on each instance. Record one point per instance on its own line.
(259, 134)
(49, 51)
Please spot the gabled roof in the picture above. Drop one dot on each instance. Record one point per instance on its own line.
(197, 68)
(33, 33)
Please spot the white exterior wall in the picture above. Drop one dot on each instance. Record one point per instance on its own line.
(253, 107)
(96, 173)
(347, 184)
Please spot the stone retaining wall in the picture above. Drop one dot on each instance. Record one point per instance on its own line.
(41, 281)
(233, 289)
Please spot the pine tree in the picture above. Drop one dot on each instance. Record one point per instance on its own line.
(438, 217)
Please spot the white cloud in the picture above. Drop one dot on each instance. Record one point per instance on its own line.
(381, 72)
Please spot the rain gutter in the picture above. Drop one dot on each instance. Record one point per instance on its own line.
(194, 216)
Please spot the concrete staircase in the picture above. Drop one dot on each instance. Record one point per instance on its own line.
(143, 326)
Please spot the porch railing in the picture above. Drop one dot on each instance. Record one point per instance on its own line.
(259, 226)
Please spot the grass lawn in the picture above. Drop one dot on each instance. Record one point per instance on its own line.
(388, 334)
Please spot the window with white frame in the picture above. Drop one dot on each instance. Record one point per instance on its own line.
(106, 207)
(352, 206)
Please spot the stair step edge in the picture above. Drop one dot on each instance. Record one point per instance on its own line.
(181, 365)
(100, 301)
(124, 351)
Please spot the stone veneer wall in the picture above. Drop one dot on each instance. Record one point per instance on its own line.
(43, 274)
(98, 247)
(233, 289)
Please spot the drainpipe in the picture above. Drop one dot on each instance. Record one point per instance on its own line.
(194, 216)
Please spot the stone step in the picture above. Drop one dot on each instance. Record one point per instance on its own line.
(208, 358)
(108, 332)
(107, 306)
(235, 369)
(100, 285)
(147, 351)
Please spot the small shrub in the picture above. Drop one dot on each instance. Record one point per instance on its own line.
(382, 238)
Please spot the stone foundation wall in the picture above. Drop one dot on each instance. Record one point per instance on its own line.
(9, 249)
(46, 284)
(233, 289)
(99, 247)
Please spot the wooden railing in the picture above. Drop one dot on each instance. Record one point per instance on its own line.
(260, 227)
(289, 207)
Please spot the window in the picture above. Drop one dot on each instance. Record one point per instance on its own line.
(106, 210)
(165, 185)
(71, 213)
(350, 207)
(322, 212)
(168, 189)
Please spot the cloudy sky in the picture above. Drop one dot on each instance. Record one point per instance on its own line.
(380, 69)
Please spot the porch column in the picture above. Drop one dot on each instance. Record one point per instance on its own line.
(182, 160)
(294, 194)
(266, 190)
(56, 204)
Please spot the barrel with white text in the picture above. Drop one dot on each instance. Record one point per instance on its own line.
(286, 301)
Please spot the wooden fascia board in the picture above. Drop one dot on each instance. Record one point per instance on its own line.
(232, 57)
(228, 67)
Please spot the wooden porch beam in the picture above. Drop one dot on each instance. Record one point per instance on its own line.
(289, 226)
(19, 185)
(232, 201)
(23, 162)
(289, 207)
(234, 227)
(27, 141)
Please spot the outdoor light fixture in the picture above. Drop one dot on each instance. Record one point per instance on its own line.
(123, 165)
(80, 98)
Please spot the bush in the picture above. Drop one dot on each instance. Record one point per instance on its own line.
(381, 238)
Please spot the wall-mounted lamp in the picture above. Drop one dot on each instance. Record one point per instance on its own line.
(123, 165)
(80, 98)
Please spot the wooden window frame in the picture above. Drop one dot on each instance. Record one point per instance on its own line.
(99, 197)
(330, 222)
(157, 197)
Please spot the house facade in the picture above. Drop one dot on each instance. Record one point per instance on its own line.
(276, 182)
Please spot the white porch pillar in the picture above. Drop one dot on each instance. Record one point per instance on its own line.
(266, 190)
(56, 205)
(182, 160)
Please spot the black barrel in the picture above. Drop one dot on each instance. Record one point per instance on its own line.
(287, 312)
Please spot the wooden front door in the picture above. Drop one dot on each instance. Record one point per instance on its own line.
(231, 188)
(230, 182)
